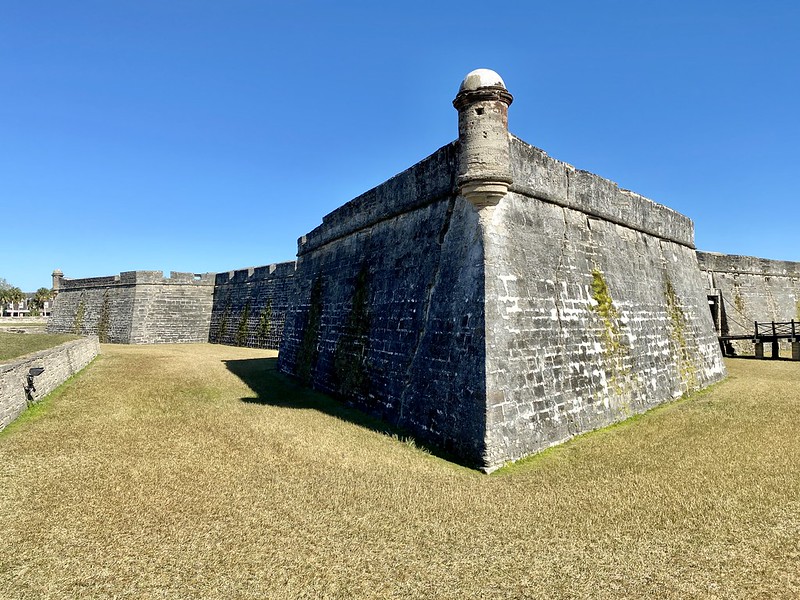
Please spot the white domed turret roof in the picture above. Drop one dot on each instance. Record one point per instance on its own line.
(480, 78)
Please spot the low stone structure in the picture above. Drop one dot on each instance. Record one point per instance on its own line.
(59, 364)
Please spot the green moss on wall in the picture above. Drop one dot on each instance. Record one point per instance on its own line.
(104, 322)
(605, 305)
(308, 352)
(241, 330)
(351, 370)
(222, 327)
(265, 323)
(687, 369)
(80, 314)
(615, 353)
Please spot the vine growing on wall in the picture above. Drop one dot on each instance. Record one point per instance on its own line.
(686, 367)
(222, 327)
(80, 313)
(350, 357)
(615, 353)
(105, 319)
(308, 352)
(241, 331)
(265, 323)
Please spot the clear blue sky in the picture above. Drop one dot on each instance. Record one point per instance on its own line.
(206, 136)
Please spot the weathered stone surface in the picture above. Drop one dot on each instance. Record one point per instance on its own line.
(484, 171)
(504, 303)
(390, 308)
(136, 307)
(84, 304)
(751, 289)
(59, 363)
(499, 327)
(429, 180)
(537, 175)
(250, 306)
(490, 324)
(587, 322)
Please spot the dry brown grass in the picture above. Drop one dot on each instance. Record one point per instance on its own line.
(14, 345)
(149, 477)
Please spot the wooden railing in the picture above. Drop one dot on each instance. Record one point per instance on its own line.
(777, 330)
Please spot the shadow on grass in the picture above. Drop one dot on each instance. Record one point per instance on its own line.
(276, 389)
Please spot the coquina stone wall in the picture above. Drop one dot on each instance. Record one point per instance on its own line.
(250, 305)
(101, 306)
(174, 309)
(390, 309)
(596, 309)
(59, 363)
(490, 300)
(494, 301)
(748, 289)
(136, 307)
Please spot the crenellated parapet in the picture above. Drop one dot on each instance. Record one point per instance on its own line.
(250, 305)
(136, 307)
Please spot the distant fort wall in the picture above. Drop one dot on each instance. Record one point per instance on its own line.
(136, 307)
(244, 308)
(95, 305)
(250, 305)
(174, 309)
(744, 289)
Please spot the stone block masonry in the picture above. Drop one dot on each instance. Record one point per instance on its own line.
(746, 289)
(101, 306)
(136, 307)
(596, 309)
(174, 309)
(390, 310)
(494, 301)
(244, 308)
(250, 306)
(490, 300)
(59, 363)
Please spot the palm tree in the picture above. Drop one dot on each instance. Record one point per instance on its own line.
(41, 296)
(10, 295)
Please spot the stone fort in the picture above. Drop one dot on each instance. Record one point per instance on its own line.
(490, 300)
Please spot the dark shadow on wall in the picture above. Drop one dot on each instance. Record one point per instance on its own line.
(273, 388)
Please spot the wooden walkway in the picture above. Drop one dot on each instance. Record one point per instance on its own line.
(769, 332)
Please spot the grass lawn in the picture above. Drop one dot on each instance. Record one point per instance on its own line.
(14, 345)
(197, 472)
